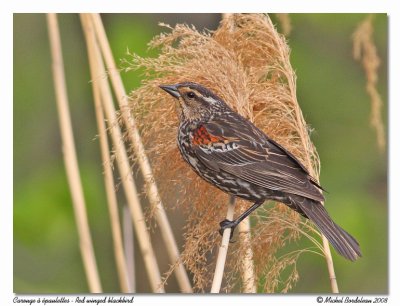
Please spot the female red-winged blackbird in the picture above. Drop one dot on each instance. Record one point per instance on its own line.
(232, 154)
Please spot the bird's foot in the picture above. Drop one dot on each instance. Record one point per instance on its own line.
(227, 224)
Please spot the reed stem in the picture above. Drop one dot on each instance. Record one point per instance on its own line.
(144, 164)
(110, 192)
(98, 72)
(223, 250)
(70, 158)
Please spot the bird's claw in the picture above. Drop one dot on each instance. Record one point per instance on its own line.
(227, 224)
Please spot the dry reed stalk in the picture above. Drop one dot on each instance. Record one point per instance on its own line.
(329, 264)
(247, 270)
(98, 72)
(244, 228)
(70, 159)
(245, 62)
(365, 51)
(129, 244)
(223, 250)
(247, 261)
(135, 140)
(110, 192)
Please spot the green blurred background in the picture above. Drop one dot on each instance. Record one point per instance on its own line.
(331, 91)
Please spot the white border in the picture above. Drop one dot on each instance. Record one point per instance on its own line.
(293, 6)
(204, 6)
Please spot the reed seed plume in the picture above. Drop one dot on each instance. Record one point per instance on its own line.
(285, 23)
(365, 51)
(245, 62)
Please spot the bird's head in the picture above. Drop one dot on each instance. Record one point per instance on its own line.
(196, 102)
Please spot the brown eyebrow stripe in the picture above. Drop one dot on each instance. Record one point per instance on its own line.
(187, 89)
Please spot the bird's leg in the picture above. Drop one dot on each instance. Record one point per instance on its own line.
(232, 224)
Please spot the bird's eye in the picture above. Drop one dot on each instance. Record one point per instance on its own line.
(191, 95)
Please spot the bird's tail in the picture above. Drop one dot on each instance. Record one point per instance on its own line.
(342, 241)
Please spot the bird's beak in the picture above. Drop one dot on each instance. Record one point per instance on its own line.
(172, 90)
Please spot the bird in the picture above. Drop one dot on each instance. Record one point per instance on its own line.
(231, 153)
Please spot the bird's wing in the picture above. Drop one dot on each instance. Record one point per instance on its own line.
(241, 149)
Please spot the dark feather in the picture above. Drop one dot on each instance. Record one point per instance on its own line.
(341, 240)
(257, 160)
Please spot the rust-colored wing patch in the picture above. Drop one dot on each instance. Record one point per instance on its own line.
(202, 137)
